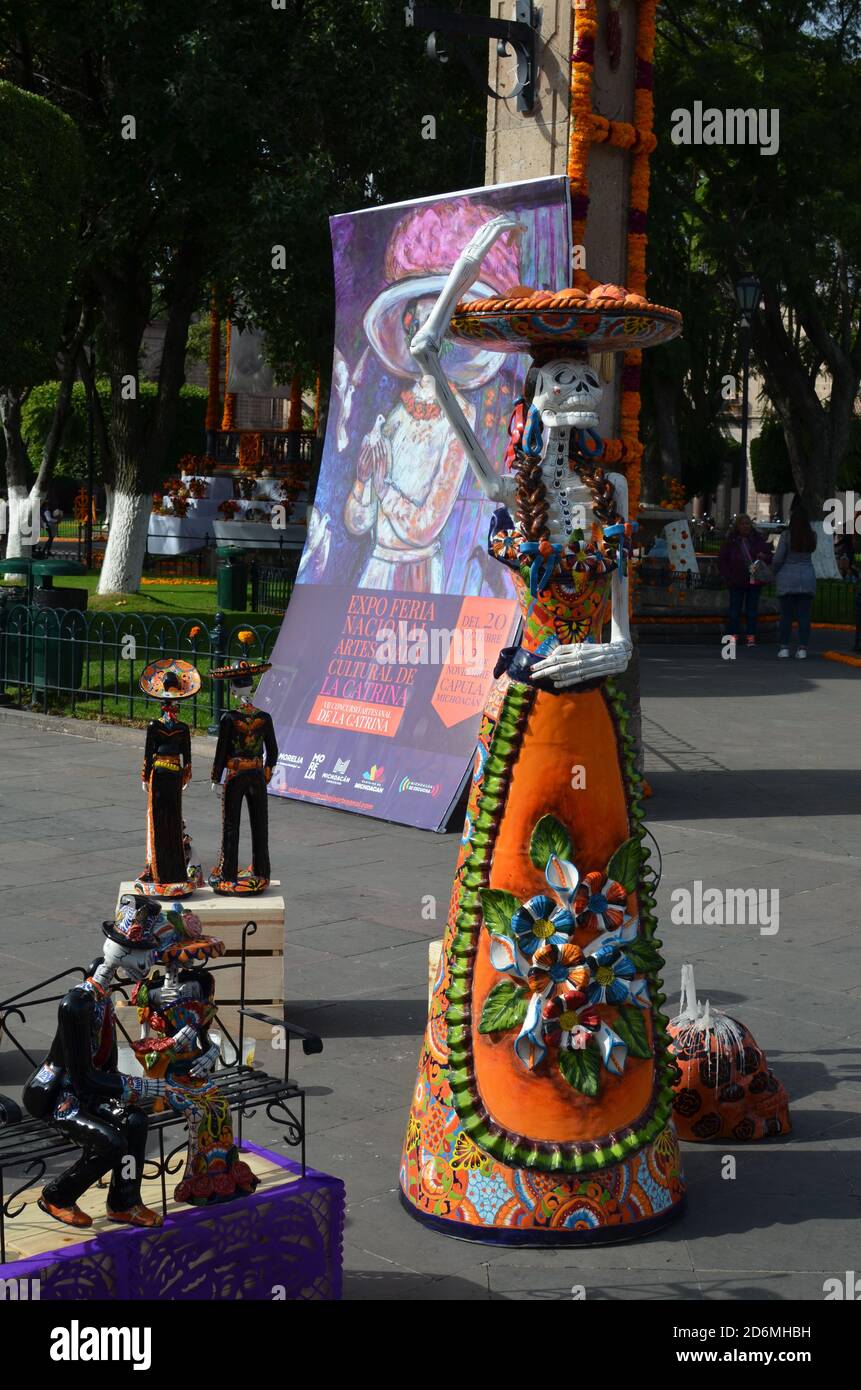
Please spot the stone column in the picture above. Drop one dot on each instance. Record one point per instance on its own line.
(523, 146)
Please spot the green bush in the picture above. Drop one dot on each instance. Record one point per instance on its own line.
(769, 460)
(41, 172)
(188, 435)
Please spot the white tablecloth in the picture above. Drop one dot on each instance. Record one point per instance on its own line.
(258, 535)
(177, 535)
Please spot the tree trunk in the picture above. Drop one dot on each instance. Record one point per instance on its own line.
(139, 455)
(123, 564)
(816, 433)
(106, 458)
(126, 299)
(21, 533)
(665, 398)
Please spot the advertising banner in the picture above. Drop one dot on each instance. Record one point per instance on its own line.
(386, 654)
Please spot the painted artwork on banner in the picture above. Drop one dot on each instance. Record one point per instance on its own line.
(386, 654)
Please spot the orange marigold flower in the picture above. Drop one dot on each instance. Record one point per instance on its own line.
(246, 637)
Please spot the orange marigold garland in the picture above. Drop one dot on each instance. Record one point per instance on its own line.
(581, 128)
(588, 128)
(228, 419)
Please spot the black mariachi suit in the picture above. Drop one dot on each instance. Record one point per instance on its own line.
(79, 1089)
(243, 736)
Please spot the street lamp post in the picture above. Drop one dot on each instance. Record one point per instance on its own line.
(747, 293)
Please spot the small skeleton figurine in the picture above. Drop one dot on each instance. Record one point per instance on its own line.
(245, 735)
(176, 1010)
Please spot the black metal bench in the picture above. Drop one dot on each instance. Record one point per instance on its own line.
(28, 1146)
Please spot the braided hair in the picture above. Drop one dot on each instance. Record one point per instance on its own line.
(532, 504)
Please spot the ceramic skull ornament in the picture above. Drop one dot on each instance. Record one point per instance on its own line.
(568, 393)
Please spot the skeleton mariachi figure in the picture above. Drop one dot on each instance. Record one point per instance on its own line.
(79, 1090)
(166, 771)
(542, 1110)
(176, 1009)
(245, 755)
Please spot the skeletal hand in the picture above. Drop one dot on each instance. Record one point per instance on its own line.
(484, 238)
(206, 1061)
(573, 663)
(215, 786)
(463, 273)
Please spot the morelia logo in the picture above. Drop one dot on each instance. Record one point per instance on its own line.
(425, 788)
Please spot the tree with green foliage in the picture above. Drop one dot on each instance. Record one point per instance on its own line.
(214, 133)
(769, 460)
(791, 215)
(40, 188)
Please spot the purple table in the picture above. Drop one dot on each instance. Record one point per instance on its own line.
(282, 1243)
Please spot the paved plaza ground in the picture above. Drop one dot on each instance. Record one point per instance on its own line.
(756, 770)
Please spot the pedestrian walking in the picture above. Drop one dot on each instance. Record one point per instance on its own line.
(796, 581)
(743, 564)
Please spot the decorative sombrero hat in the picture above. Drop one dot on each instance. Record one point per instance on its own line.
(606, 318)
(170, 678)
(135, 922)
(180, 939)
(240, 671)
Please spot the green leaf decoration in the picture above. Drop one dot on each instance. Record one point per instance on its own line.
(549, 837)
(498, 909)
(505, 1007)
(624, 867)
(581, 1068)
(645, 956)
(631, 1027)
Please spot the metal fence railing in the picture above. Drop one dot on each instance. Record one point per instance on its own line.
(89, 664)
(837, 601)
(271, 586)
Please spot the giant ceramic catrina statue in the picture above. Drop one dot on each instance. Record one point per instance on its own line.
(541, 1114)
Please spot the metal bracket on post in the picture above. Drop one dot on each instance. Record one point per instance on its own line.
(520, 34)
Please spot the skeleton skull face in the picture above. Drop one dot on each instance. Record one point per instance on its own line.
(568, 393)
(135, 963)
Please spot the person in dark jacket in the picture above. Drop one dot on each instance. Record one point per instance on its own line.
(796, 581)
(737, 566)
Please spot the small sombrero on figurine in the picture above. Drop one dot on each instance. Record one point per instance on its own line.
(180, 939)
(135, 922)
(607, 318)
(241, 672)
(170, 678)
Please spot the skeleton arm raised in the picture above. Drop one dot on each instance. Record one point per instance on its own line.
(427, 342)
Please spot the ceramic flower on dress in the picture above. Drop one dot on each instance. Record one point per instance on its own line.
(615, 978)
(565, 1021)
(557, 965)
(554, 985)
(599, 902)
(541, 920)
